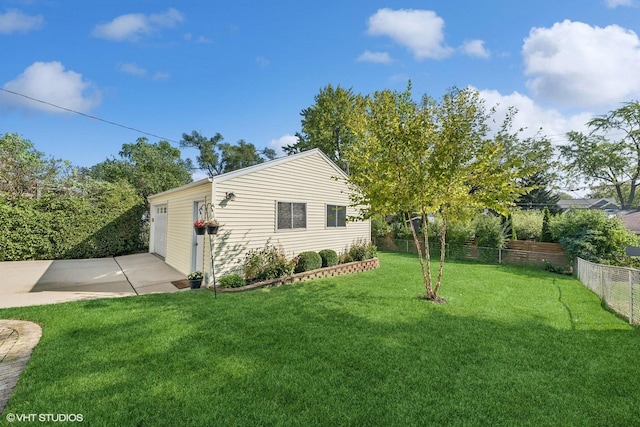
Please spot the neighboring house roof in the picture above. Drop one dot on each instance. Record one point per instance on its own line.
(250, 169)
(631, 221)
(605, 204)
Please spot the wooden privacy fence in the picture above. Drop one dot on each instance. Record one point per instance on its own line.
(535, 253)
(516, 252)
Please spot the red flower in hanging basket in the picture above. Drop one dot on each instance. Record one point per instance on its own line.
(198, 223)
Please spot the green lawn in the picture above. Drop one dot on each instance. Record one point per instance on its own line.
(513, 346)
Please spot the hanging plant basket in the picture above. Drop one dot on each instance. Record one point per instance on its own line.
(199, 227)
(212, 226)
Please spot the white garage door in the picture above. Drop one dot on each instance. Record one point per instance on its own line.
(160, 230)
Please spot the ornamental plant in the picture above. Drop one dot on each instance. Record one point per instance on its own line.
(266, 263)
(308, 261)
(232, 281)
(196, 275)
(198, 222)
(329, 257)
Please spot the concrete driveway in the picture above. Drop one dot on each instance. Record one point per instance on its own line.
(24, 283)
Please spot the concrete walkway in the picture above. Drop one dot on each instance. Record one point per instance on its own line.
(17, 340)
(24, 283)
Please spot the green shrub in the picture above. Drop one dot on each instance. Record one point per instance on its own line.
(545, 235)
(344, 257)
(329, 257)
(458, 233)
(489, 236)
(361, 250)
(307, 261)
(231, 281)
(528, 224)
(102, 220)
(401, 231)
(267, 263)
(379, 227)
(591, 235)
(488, 231)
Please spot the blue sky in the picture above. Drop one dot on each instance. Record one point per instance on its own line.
(246, 69)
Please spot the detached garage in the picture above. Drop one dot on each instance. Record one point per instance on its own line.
(300, 202)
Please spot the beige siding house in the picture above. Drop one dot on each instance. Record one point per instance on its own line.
(294, 201)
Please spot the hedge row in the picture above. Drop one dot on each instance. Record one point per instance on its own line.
(103, 220)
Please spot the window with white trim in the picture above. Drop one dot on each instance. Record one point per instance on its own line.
(291, 216)
(336, 216)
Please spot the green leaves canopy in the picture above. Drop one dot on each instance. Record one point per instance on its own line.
(329, 123)
(597, 158)
(217, 157)
(432, 156)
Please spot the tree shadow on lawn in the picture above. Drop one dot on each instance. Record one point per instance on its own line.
(302, 355)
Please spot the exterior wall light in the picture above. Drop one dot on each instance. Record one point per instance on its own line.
(230, 195)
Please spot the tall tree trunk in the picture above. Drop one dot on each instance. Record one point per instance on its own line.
(425, 232)
(443, 246)
(426, 272)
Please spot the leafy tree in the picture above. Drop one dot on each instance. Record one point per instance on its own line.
(328, 123)
(604, 191)
(432, 157)
(244, 154)
(25, 170)
(599, 159)
(151, 168)
(217, 157)
(541, 196)
(591, 235)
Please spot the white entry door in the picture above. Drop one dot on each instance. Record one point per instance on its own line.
(197, 251)
(160, 230)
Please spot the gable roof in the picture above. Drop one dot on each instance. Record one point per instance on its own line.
(260, 166)
(602, 204)
(631, 221)
(275, 162)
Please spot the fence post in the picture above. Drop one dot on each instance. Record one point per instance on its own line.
(499, 255)
(630, 297)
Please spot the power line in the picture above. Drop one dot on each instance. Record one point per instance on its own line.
(88, 115)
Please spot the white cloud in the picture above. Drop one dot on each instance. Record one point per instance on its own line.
(476, 48)
(133, 26)
(612, 4)
(160, 75)
(133, 69)
(200, 39)
(50, 82)
(375, 57)
(277, 144)
(576, 64)
(533, 118)
(262, 61)
(14, 21)
(421, 31)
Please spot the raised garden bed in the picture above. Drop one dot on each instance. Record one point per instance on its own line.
(337, 270)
